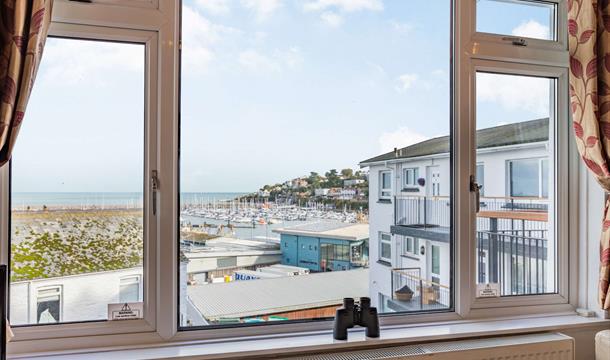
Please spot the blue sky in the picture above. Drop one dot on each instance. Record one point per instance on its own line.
(271, 90)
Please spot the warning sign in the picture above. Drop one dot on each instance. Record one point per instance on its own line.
(488, 290)
(125, 311)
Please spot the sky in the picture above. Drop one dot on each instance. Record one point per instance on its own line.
(271, 90)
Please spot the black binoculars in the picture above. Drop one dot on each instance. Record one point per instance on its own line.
(356, 314)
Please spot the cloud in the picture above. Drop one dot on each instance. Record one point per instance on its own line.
(405, 82)
(262, 8)
(400, 138)
(69, 62)
(532, 29)
(515, 92)
(198, 37)
(214, 7)
(331, 18)
(402, 28)
(280, 59)
(344, 5)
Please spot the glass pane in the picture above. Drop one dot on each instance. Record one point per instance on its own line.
(295, 121)
(516, 246)
(77, 180)
(532, 19)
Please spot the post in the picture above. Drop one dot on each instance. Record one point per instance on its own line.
(493, 250)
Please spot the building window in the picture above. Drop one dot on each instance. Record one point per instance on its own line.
(410, 177)
(524, 15)
(385, 247)
(436, 259)
(385, 184)
(529, 178)
(129, 289)
(481, 178)
(48, 305)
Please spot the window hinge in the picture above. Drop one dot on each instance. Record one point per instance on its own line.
(154, 185)
(476, 189)
(517, 41)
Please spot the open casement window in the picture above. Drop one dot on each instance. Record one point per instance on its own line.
(82, 226)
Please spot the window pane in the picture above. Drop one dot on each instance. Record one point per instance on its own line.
(532, 19)
(77, 180)
(516, 246)
(295, 121)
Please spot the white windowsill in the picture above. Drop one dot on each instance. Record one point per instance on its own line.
(308, 342)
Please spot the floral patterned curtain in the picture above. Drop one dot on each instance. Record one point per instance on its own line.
(23, 30)
(589, 37)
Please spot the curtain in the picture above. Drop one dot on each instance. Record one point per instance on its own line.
(23, 30)
(589, 42)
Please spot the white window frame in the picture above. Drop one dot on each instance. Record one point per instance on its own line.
(387, 242)
(509, 188)
(383, 190)
(410, 174)
(59, 291)
(157, 24)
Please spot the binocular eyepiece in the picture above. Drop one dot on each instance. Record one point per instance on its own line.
(352, 314)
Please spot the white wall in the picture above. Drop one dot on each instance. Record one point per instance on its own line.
(83, 297)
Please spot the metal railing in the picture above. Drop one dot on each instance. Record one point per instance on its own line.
(415, 293)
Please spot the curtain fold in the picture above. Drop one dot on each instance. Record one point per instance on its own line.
(589, 43)
(24, 25)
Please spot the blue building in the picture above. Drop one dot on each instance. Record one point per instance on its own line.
(324, 246)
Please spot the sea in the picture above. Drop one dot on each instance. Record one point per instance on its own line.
(111, 199)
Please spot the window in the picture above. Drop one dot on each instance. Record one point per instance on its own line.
(410, 177)
(77, 178)
(436, 260)
(410, 244)
(516, 232)
(129, 289)
(48, 305)
(385, 184)
(524, 18)
(385, 246)
(481, 178)
(529, 178)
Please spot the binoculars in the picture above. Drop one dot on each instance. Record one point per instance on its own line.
(356, 314)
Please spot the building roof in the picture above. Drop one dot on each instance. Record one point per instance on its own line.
(328, 230)
(247, 298)
(504, 135)
(228, 246)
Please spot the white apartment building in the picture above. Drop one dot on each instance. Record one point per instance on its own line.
(409, 217)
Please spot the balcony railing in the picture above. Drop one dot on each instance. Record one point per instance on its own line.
(410, 292)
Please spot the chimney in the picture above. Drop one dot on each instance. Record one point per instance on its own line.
(395, 152)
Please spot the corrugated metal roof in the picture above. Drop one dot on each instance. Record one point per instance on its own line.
(504, 135)
(329, 230)
(268, 296)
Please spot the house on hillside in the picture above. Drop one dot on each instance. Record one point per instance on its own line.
(410, 233)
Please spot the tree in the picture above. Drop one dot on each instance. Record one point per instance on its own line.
(333, 179)
(314, 179)
(347, 173)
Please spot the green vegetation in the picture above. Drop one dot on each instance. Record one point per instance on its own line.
(62, 243)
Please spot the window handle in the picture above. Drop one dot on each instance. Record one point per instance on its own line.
(517, 41)
(476, 189)
(154, 185)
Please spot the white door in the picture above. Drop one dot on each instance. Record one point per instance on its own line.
(433, 181)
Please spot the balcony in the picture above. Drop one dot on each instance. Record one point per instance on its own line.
(411, 292)
(512, 239)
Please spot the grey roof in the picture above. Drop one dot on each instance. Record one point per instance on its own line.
(245, 298)
(504, 135)
(328, 230)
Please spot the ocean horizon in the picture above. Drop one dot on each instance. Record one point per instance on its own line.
(101, 199)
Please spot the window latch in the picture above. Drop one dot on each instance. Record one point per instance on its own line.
(476, 189)
(517, 41)
(154, 185)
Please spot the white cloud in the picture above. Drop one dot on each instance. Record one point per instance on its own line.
(515, 92)
(75, 61)
(262, 8)
(400, 138)
(198, 37)
(402, 28)
(280, 59)
(405, 82)
(331, 18)
(344, 5)
(532, 29)
(214, 7)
